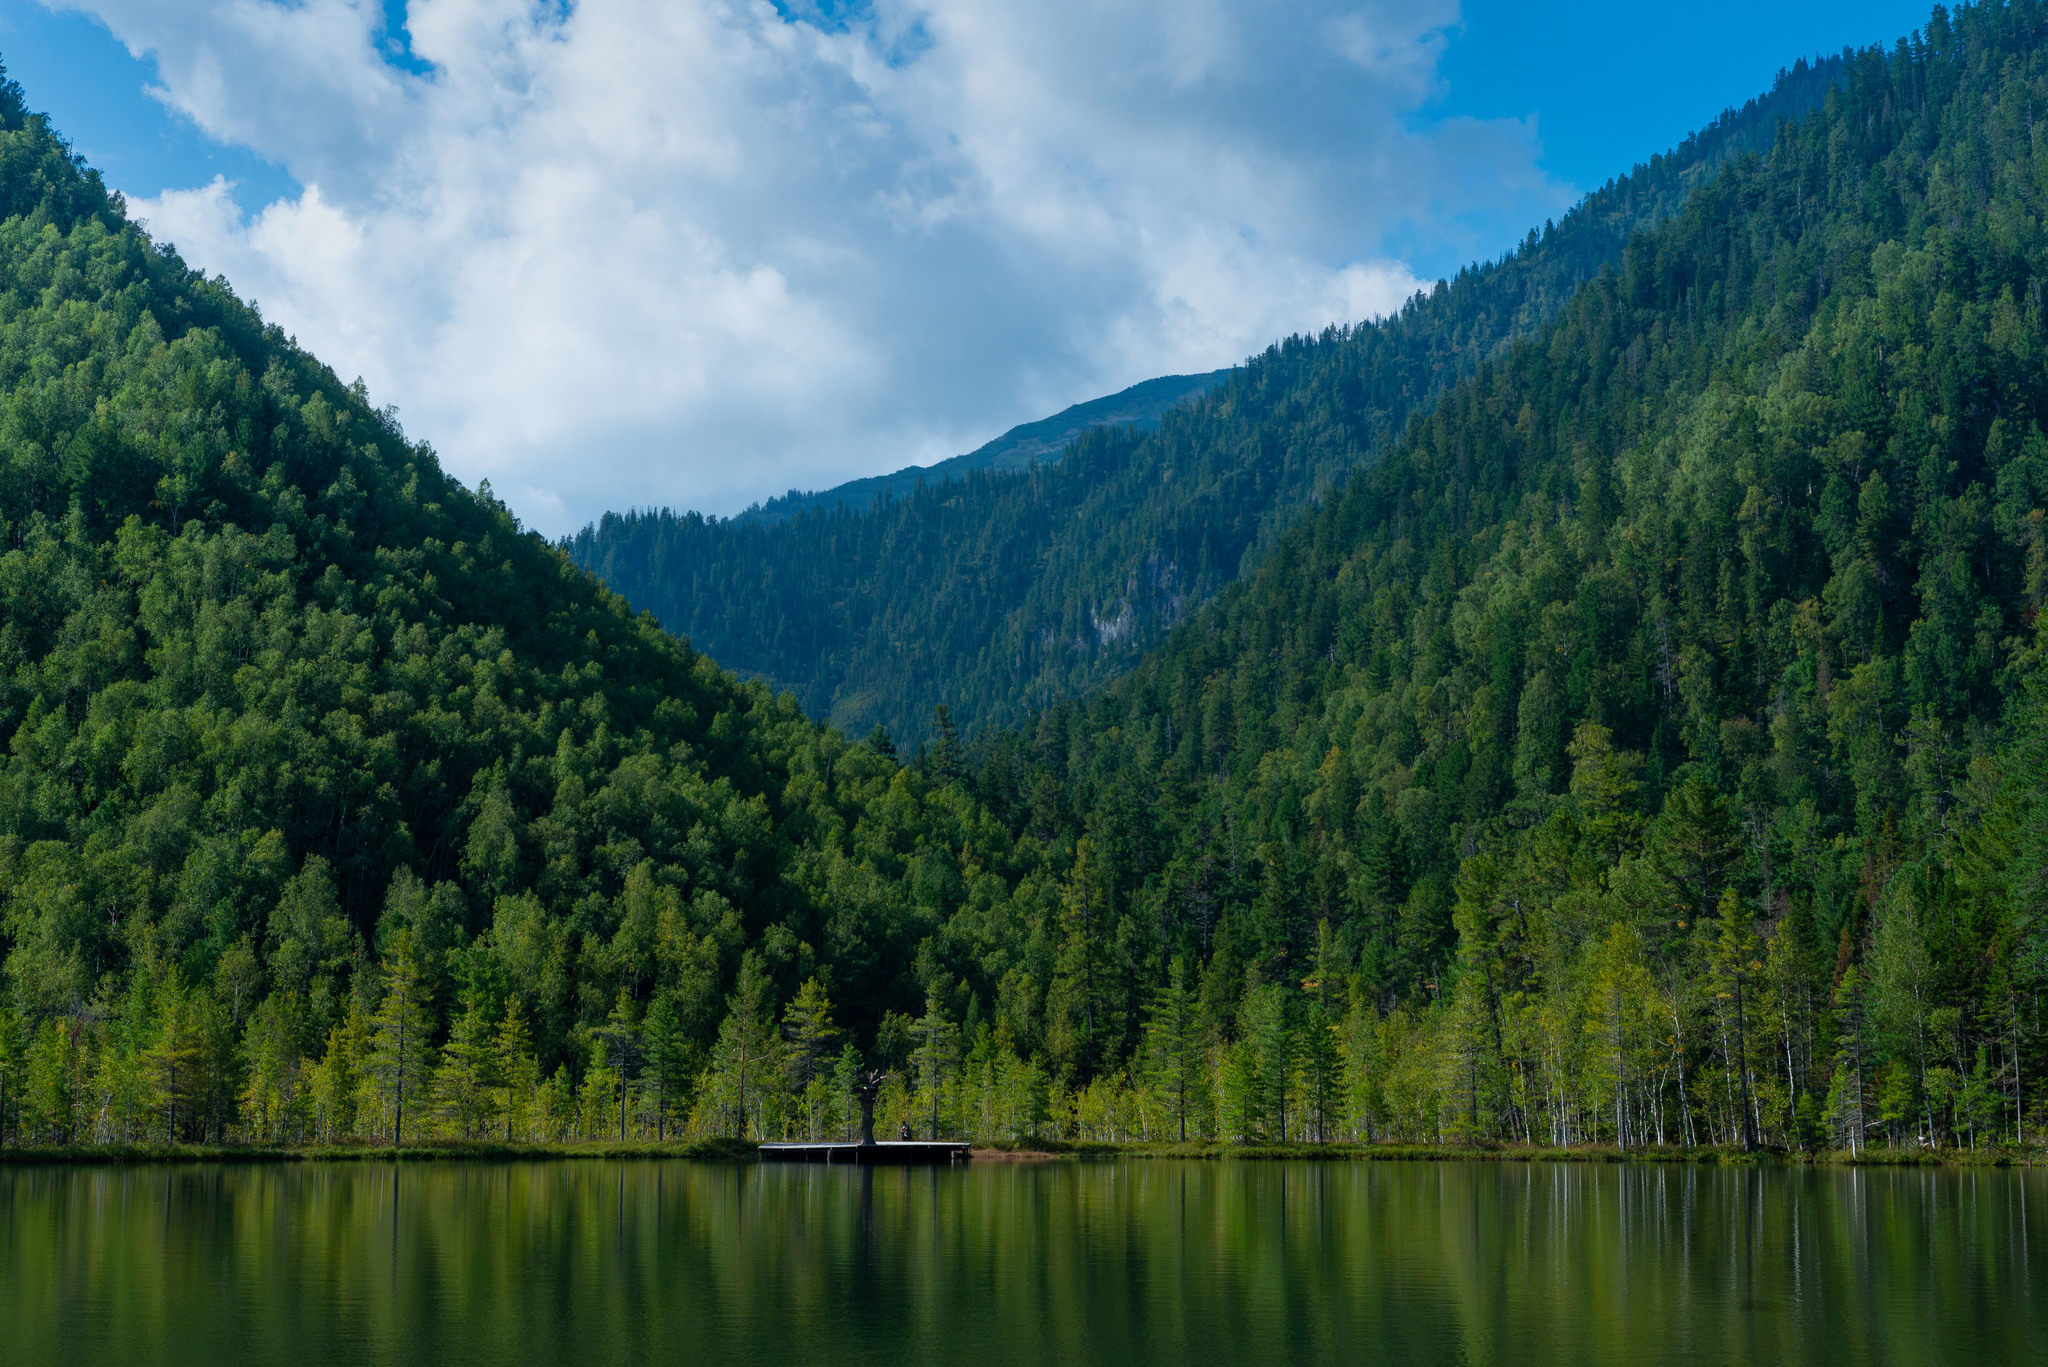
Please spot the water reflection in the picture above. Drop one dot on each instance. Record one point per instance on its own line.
(1119, 1264)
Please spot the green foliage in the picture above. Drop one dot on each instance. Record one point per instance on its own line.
(401, 1065)
(1003, 592)
(1651, 724)
(278, 696)
(1644, 748)
(1177, 1047)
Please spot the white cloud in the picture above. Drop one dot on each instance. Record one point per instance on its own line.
(697, 251)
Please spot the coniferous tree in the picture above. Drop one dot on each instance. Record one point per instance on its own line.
(1735, 967)
(277, 1099)
(13, 1065)
(1725, 581)
(623, 1043)
(944, 757)
(173, 1061)
(1177, 1045)
(807, 1025)
(935, 1036)
(517, 1072)
(1848, 1088)
(400, 1063)
(672, 1058)
(466, 1086)
(1268, 1028)
(746, 1058)
(1322, 1067)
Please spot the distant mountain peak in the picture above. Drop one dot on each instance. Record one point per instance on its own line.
(1043, 441)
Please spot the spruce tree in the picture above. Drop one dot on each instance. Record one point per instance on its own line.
(466, 1086)
(934, 1035)
(1176, 1046)
(746, 1057)
(516, 1070)
(401, 1056)
(807, 1025)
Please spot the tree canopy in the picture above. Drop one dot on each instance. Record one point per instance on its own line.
(1645, 746)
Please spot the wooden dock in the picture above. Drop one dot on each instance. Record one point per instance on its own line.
(894, 1153)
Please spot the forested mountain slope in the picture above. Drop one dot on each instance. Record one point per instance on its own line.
(1025, 445)
(298, 730)
(1649, 740)
(1648, 748)
(998, 594)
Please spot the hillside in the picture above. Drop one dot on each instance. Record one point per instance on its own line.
(1647, 748)
(998, 594)
(1651, 743)
(298, 728)
(1027, 444)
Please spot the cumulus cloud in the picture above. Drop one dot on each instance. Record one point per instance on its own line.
(695, 252)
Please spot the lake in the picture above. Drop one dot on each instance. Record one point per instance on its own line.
(1118, 1263)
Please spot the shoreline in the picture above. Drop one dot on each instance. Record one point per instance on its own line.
(1036, 1151)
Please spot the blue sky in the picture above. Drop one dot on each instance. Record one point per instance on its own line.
(679, 252)
(1613, 84)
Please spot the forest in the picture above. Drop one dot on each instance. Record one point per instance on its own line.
(1001, 593)
(1641, 743)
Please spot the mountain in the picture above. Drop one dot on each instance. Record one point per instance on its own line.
(998, 594)
(1650, 745)
(1647, 746)
(300, 731)
(1023, 446)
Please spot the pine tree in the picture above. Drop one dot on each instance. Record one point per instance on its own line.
(1622, 997)
(13, 1065)
(51, 1082)
(173, 1060)
(1736, 963)
(339, 1080)
(1900, 986)
(466, 1086)
(673, 1057)
(1697, 848)
(1176, 1046)
(807, 1025)
(1846, 1090)
(943, 759)
(517, 1072)
(401, 1061)
(1077, 1002)
(746, 1057)
(934, 1034)
(620, 1042)
(1322, 1061)
(274, 1102)
(1268, 1028)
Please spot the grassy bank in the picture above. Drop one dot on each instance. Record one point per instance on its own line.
(727, 1150)
(1514, 1153)
(437, 1152)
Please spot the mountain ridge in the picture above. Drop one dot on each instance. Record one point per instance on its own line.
(997, 596)
(1016, 450)
(1647, 748)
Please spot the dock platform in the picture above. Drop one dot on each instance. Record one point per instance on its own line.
(889, 1153)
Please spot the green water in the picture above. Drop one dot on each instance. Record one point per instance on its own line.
(1116, 1263)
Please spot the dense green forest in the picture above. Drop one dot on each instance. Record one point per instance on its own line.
(1017, 450)
(1001, 593)
(1646, 748)
(315, 762)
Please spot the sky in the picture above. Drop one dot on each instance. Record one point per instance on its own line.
(695, 253)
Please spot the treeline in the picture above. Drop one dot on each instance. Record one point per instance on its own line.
(285, 705)
(1646, 744)
(1646, 749)
(1002, 593)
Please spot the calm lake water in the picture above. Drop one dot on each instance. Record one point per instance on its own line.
(1112, 1263)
